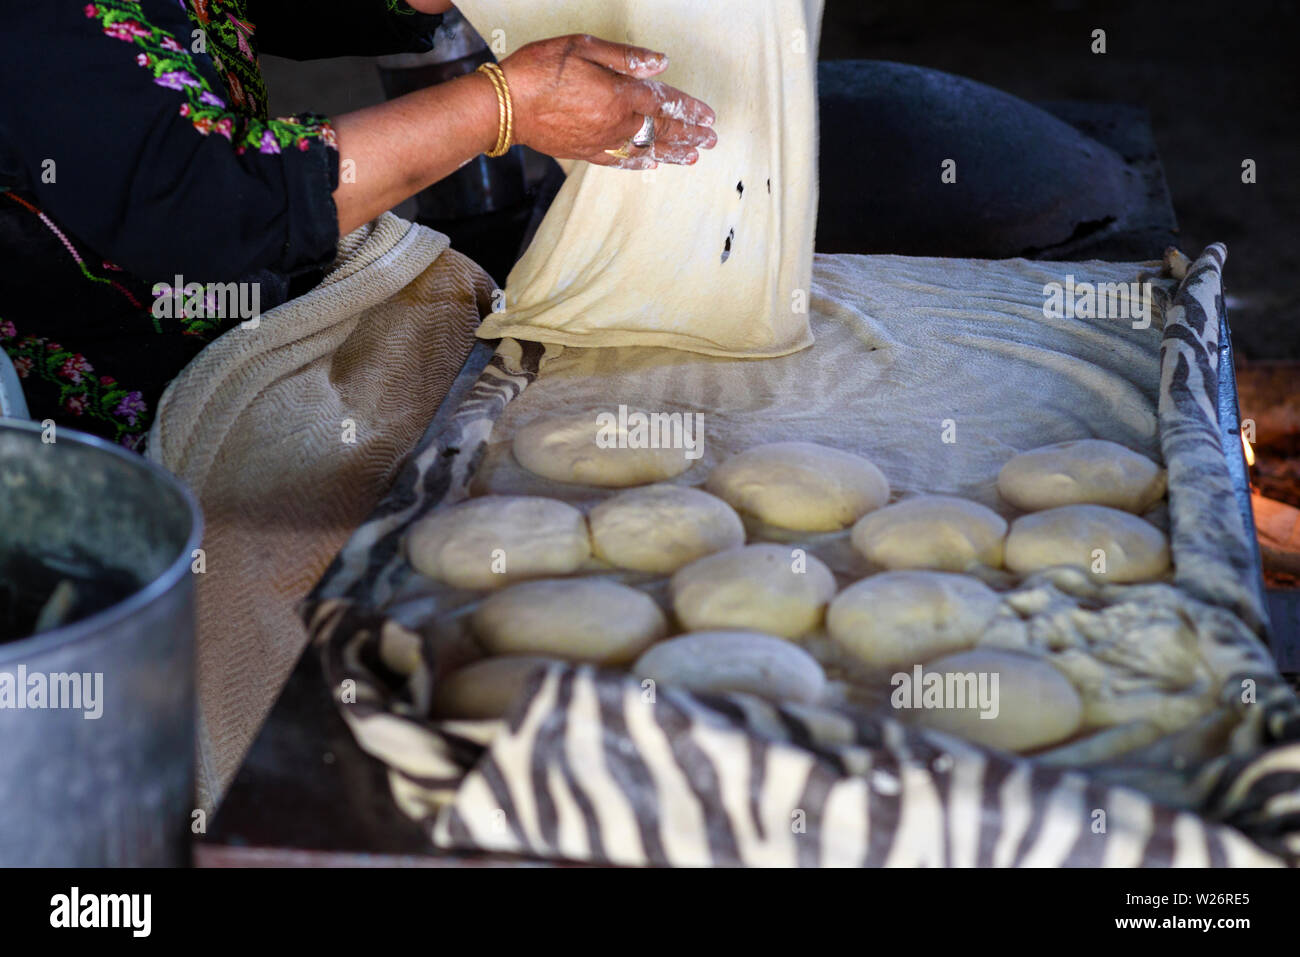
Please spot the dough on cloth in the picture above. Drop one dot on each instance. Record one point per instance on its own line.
(932, 531)
(771, 588)
(485, 689)
(493, 540)
(713, 258)
(901, 618)
(577, 619)
(1110, 545)
(1082, 472)
(800, 485)
(1032, 704)
(660, 528)
(717, 662)
(585, 448)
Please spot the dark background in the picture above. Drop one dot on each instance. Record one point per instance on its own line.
(1220, 80)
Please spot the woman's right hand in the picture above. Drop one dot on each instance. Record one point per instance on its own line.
(575, 97)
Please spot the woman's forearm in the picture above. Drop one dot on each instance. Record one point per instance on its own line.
(572, 97)
(389, 152)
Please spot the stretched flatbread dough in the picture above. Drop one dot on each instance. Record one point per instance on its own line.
(714, 258)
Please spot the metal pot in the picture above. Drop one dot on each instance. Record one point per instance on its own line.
(117, 788)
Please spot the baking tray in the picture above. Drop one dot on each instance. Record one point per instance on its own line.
(345, 618)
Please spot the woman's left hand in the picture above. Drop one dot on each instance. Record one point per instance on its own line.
(430, 6)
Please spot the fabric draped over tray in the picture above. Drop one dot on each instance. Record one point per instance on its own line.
(582, 768)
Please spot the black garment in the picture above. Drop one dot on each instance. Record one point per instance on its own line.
(135, 148)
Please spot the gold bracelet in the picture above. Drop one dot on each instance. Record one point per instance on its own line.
(505, 143)
(501, 123)
(506, 125)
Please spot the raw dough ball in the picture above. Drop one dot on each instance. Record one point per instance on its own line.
(932, 531)
(905, 617)
(1035, 704)
(578, 619)
(1082, 472)
(1134, 549)
(755, 587)
(527, 536)
(485, 689)
(588, 448)
(800, 485)
(662, 527)
(721, 661)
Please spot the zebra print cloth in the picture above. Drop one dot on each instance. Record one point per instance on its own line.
(590, 770)
(591, 767)
(1215, 563)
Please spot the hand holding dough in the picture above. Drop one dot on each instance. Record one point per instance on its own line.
(770, 588)
(1082, 472)
(712, 258)
(800, 485)
(931, 531)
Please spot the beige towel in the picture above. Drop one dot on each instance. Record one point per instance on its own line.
(258, 425)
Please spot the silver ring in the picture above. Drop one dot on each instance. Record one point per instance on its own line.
(646, 135)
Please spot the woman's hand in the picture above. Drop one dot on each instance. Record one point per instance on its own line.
(429, 6)
(575, 97)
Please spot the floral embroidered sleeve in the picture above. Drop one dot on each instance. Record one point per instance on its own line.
(136, 136)
(137, 154)
(313, 29)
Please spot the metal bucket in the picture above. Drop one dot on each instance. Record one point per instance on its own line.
(106, 777)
